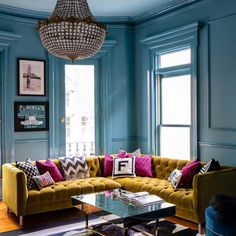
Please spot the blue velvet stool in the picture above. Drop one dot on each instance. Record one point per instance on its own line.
(216, 228)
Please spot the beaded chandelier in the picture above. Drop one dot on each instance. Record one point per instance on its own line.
(72, 32)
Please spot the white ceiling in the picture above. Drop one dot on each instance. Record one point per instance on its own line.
(126, 8)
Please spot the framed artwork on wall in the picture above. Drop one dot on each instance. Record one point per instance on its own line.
(31, 77)
(31, 116)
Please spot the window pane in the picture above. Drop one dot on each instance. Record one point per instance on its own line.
(175, 142)
(80, 122)
(176, 100)
(180, 57)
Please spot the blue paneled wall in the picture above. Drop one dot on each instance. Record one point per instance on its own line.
(127, 97)
(216, 79)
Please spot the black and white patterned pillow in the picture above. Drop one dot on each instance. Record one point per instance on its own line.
(30, 170)
(74, 167)
(212, 165)
(123, 167)
(137, 152)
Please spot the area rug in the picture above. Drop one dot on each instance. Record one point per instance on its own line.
(75, 227)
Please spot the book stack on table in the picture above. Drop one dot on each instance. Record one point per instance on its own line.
(139, 198)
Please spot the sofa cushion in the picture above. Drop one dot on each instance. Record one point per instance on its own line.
(143, 166)
(49, 166)
(212, 165)
(108, 165)
(182, 197)
(43, 180)
(30, 170)
(74, 167)
(188, 172)
(62, 191)
(123, 167)
(175, 178)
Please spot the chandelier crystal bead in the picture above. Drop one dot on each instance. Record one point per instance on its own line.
(72, 32)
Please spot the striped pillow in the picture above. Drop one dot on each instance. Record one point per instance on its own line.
(43, 180)
(212, 165)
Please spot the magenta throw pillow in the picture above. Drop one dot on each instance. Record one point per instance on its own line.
(108, 165)
(188, 172)
(51, 167)
(122, 154)
(143, 166)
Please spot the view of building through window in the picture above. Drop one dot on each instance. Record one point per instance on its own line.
(79, 102)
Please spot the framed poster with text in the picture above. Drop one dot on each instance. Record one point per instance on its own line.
(31, 116)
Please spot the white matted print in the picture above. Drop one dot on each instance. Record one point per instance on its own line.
(31, 77)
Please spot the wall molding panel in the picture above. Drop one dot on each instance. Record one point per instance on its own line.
(220, 114)
(7, 44)
(217, 145)
(17, 141)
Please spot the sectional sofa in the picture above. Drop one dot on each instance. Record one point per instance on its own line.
(190, 202)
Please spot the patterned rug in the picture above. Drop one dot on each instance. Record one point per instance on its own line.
(75, 227)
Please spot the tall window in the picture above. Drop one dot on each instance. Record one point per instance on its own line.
(80, 113)
(173, 107)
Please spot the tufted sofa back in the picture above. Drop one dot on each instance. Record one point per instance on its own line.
(162, 167)
(93, 166)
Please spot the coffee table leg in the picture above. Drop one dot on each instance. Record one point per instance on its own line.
(126, 231)
(157, 227)
(86, 220)
(86, 216)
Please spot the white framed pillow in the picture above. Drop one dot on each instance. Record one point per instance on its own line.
(123, 167)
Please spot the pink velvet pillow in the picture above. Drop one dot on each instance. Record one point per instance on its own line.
(122, 154)
(143, 166)
(51, 167)
(108, 165)
(188, 172)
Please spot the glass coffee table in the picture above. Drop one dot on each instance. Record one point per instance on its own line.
(130, 214)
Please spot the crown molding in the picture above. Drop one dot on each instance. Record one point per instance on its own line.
(115, 19)
(20, 12)
(158, 16)
(166, 8)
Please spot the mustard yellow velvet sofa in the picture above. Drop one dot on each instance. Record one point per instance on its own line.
(190, 203)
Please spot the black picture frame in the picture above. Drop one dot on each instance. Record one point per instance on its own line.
(31, 77)
(31, 116)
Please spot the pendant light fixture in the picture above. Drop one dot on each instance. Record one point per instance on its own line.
(72, 32)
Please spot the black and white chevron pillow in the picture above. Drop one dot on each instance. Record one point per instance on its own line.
(74, 167)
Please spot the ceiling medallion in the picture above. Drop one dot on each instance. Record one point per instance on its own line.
(72, 32)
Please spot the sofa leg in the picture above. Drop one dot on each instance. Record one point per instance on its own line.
(21, 221)
(199, 230)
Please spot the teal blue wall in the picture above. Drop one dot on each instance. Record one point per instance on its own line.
(41, 145)
(216, 80)
(127, 98)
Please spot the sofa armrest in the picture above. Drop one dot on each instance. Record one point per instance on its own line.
(14, 189)
(208, 184)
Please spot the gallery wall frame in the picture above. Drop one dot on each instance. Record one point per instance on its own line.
(31, 116)
(31, 77)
